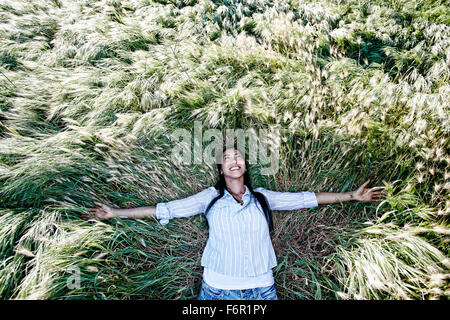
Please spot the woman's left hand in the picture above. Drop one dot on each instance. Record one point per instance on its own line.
(372, 194)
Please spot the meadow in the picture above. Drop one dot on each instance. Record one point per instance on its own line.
(91, 90)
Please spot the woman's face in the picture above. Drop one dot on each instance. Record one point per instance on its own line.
(233, 163)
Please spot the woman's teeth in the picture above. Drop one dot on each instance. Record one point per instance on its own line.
(234, 168)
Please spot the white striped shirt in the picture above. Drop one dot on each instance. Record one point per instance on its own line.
(239, 242)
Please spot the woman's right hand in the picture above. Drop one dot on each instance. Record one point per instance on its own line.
(103, 212)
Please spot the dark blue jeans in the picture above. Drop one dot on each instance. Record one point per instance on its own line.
(263, 293)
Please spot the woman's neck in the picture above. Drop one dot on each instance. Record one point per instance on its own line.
(236, 187)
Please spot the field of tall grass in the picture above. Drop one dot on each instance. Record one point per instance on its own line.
(91, 90)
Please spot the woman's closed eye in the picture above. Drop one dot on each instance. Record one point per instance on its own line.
(229, 157)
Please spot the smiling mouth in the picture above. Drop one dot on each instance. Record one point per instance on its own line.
(235, 168)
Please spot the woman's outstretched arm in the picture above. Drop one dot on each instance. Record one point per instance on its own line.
(104, 212)
(360, 194)
(164, 211)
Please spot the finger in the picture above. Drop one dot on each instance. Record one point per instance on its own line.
(100, 205)
(365, 183)
(104, 207)
(379, 196)
(94, 211)
(99, 210)
(376, 188)
(83, 216)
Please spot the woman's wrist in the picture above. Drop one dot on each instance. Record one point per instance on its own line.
(351, 196)
(115, 211)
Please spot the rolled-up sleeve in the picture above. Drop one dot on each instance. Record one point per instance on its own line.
(289, 200)
(186, 207)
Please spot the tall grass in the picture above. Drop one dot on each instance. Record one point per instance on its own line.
(91, 91)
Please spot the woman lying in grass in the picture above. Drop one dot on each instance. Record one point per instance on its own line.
(239, 256)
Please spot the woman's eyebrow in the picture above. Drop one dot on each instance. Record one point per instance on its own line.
(227, 155)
